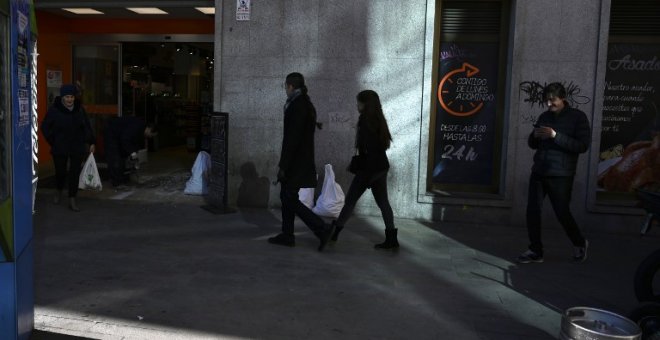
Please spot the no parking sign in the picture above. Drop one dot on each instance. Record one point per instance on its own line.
(242, 10)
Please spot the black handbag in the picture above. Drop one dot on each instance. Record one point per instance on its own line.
(357, 163)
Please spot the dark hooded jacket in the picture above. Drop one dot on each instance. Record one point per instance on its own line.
(67, 132)
(559, 156)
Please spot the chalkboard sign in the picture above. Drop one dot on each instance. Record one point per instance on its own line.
(465, 135)
(630, 144)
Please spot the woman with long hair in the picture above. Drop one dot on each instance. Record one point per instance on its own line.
(370, 166)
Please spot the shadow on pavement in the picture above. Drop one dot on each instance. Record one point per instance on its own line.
(604, 281)
(176, 267)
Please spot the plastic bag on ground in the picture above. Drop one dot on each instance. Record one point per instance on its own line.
(306, 196)
(89, 176)
(331, 200)
(198, 184)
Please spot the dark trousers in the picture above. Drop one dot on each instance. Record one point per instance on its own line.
(361, 182)
(558, 189)
(292, 207)
(68, 175)
(116, 166)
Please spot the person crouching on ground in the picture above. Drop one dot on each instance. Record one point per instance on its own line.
(68, 132)
(297, 168)
(560, 135)
(370, 166)
(123, 137)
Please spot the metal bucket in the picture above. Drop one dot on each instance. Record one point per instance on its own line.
(583, 323)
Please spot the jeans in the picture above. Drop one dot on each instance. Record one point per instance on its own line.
(115, 166)
(291, 206)
(70, 175)
(558, 189)
(361, 182)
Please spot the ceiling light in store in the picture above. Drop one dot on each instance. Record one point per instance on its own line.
(146, 10)
(82, 10)
(206, 10)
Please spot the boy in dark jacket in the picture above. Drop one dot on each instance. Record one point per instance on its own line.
(560, 135)
(297, 165)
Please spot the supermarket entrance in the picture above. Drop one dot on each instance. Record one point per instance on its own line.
(158, 68)
(169, 85)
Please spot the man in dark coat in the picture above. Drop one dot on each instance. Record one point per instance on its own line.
(68, 131)
(297, 168)
(123, 137)
(560, 135)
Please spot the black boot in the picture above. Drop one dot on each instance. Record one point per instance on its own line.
(338, 230)
(287, 240)
(390, 240)
(325, 235)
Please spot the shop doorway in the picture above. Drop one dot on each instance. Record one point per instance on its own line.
(169, 85)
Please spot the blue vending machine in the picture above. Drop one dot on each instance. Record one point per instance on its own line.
(17, 168)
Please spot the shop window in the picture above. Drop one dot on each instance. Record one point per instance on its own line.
(469, 65)
(629, 151)
(96, 72)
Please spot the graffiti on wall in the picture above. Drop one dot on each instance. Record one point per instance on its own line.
(341, 121)
(531, 92)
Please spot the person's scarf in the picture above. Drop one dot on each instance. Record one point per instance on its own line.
(70, 108)
(295, 94)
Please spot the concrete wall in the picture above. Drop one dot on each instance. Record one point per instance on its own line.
(344, 46)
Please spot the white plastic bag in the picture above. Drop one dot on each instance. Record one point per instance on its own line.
(331, 201)
(306, 196)
(198, 184)
(89, 176)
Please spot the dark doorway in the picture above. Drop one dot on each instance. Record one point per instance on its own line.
(171, 86)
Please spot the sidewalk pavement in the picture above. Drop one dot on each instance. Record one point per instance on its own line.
(170, 270)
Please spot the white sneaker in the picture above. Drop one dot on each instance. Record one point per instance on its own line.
(529, 257)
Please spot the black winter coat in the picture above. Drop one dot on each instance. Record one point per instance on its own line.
(124, 135)
(66, 131)
(558, 156)
(297, 157)
(370, 148)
